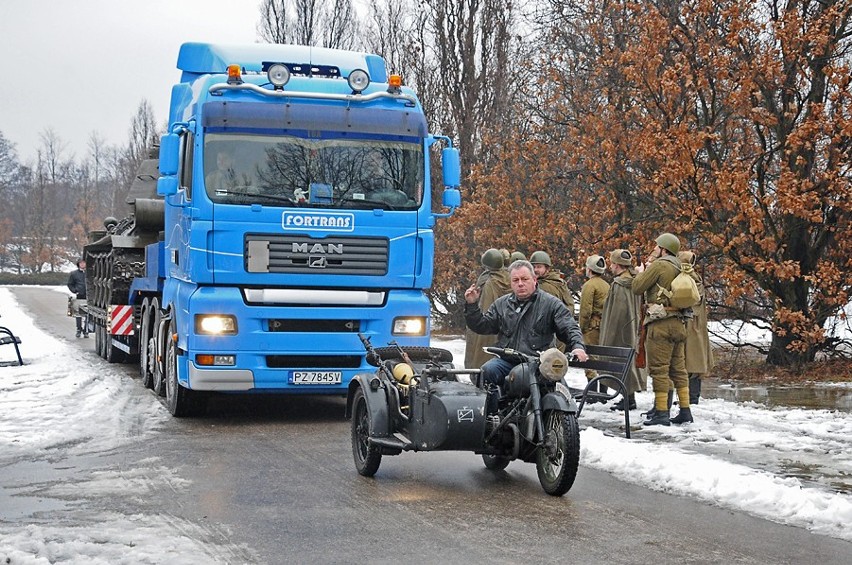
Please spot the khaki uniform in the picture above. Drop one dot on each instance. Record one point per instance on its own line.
(494, 284)
(553, 283)
(699, 354)
(665, 338)
(592, 297)
(620, 325)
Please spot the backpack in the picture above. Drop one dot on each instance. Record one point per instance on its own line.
(684, 292)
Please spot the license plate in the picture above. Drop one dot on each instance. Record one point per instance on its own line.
(316, 377)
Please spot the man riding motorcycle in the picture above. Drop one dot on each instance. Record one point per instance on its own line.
(525, 320)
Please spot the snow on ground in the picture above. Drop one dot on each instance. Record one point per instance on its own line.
(742, 456)
(59, 404)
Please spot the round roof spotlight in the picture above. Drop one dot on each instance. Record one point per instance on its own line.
(358, 80)
(278, 75)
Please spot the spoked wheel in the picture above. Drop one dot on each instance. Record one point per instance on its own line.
(367, 458)
(495, 462)
(558, 457)
(180, 401)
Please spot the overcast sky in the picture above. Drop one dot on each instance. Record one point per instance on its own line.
(79, 66)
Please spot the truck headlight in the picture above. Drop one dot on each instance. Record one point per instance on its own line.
(215, 324)
(409, 326)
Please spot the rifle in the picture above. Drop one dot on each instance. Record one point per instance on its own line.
(373, 356)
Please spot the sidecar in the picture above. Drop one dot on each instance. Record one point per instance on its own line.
(413, 404)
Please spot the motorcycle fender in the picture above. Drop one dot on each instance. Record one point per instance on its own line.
(556, 401)
(377, 404)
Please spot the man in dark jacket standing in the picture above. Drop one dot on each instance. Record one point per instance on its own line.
(525, 320)
(77, 285)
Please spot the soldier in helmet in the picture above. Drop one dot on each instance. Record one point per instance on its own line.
(516, 256)
(620, 321)
(507, 258)
(665, 340)
(550, 280)
(493, 283)
(698, 353)
(592, 297)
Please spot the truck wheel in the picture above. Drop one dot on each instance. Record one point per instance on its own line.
(367, 458)
(180, 401)
(559, 455)
(113, 354)
(99, 342)
(144, 331)
(416, 353)
(152, 346)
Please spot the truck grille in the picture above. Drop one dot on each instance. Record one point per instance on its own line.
(313, 361)
(301, 254)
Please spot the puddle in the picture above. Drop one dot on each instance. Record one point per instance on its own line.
(809, 396)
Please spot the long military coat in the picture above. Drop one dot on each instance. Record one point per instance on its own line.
(699, 354)
(620, 325)
(553, 283)
(494, 284)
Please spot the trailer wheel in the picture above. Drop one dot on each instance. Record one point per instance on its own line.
(113, 354)
(180, 401)
(99, 346)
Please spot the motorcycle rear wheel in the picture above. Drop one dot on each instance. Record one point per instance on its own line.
(559, 455)
(367, 458)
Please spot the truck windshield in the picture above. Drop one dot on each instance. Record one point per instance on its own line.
(329, 173)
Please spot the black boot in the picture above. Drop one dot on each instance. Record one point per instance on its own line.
(631, 403)
(684, 416)
(670, 399)
(658, 418)
(694, 389)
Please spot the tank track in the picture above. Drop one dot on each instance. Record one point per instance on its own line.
(114, 271)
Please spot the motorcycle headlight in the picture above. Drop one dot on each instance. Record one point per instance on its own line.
(553, 364)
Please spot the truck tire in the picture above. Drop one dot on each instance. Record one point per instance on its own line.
(416, 353)
(153, 346)
(180, 401)
(144, 332)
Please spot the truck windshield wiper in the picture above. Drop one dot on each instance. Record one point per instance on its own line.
(248, 194)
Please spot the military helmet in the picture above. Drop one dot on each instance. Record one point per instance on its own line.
(686, 257)
(507, 257)
(669, 242)
(541, 258)
(517, 256)
(596, 264)
(621, 257)
(492, 259)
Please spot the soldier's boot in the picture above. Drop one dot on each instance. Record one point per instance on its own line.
(658, 418)
(684, 416)
(631, 403)
(670, 398)
(694, 388)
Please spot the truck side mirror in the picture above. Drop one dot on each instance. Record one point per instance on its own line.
(450, 163)
(169, 154)
(166, 186)
(451, 198)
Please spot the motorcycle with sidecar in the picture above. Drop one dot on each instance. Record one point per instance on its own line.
(415, 402)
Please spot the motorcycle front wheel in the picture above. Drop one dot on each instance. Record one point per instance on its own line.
(367, 458)
(559, 455)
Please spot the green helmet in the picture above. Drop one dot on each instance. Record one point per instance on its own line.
(507, 257)
(517, 256)
(492, 259)
(669, 242)
(596, 264)
(541, 258)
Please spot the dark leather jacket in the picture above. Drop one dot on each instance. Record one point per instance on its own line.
(526, 326)
(77, 283)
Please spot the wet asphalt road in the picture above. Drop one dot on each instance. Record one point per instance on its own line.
(275, 476)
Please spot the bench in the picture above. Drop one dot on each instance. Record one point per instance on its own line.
(6, 338)
(612, 365)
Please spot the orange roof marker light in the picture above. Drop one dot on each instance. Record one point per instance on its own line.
(394, 83)
(234, 74)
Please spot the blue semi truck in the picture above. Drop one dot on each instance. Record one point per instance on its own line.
(289, 208)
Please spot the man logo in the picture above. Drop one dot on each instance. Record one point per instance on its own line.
(317, 262)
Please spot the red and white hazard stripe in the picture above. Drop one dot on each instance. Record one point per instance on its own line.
(121, 320)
